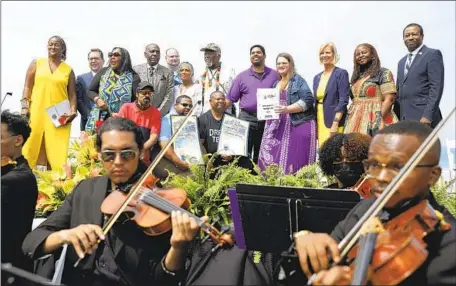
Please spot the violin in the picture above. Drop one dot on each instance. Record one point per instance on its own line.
(389, 253)
(363, 186)
(150, 207)
(399, 247)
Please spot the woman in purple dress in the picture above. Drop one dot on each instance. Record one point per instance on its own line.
(290, 141)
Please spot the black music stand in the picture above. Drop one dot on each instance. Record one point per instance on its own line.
(15, 276)
(265, 217)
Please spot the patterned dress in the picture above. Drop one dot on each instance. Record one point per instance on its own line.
(115, 92)
(288, 146)
(364, 114)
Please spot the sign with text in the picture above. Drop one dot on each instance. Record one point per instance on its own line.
(267, 100)
(187, 145)
(233, 136)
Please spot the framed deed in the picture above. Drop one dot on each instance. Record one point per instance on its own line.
(267, 100)
(187, 144)
(233, 136)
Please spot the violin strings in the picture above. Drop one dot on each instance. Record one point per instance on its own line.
(153, 199)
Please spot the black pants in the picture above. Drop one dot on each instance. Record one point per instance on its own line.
(256, 129)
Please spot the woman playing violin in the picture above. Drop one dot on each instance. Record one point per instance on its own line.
(389, 151)
(125, 256)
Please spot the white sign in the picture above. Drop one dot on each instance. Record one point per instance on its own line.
(267, 100)
(59, 112)
(233, 136)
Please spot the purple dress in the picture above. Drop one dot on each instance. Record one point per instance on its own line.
(291, 147)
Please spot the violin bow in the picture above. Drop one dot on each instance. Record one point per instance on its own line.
(137, 187)
(352, 237)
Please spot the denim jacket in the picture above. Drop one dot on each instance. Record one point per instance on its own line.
(299, 92)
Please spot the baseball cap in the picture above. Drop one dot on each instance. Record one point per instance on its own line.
(143, 85)
(212, 47)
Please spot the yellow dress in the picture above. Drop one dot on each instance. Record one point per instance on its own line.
(49, 89)
(323, 131)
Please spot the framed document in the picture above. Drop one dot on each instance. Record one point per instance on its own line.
(187, 144)
(267, 100)
(233, 136)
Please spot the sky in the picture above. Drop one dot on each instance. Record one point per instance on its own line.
(295, 27)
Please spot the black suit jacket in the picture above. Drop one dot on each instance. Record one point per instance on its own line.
(137, 255)
(19, 195)
(420, 92)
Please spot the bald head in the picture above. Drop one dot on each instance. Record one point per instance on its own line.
(172, 58)
(217, 94)
(152, 54)
(416, 129)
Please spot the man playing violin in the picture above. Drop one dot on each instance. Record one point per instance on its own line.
(19, 190)
(125, 256)
(389, 151)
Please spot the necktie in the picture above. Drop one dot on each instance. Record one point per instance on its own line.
(408, 64)
(151, 71)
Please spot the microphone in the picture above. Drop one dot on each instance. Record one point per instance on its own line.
(3, 100)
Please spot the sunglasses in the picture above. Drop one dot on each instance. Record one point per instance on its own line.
(115, 54)
(189, 105)
(125, 155)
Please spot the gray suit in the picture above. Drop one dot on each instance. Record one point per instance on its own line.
(163, 82)
(420, 92)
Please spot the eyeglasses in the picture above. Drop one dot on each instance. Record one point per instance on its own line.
(375, 167)
(125, 155)
(115, 54)
(189, 105)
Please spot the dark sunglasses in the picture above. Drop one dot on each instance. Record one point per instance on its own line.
(115, 54)
(125, 155)
(186, 105)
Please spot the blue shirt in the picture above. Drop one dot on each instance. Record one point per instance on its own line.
(165, 132)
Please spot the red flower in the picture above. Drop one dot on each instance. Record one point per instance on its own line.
(371, 90)
(388, 119)
(98, 124)
(62, 119)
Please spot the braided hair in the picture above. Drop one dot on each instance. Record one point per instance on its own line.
(374, 67)
(62, 44)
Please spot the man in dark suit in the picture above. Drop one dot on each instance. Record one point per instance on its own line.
(420, 79)
(161, 78)
(126, 255)
(19, 190)
(96, 62)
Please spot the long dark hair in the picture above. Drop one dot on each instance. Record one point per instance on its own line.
(62, 44)
(125, 61)
(374, 67)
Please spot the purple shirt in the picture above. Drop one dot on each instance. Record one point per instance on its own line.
(245, 87)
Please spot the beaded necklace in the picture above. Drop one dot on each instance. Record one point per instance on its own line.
(217, 80)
